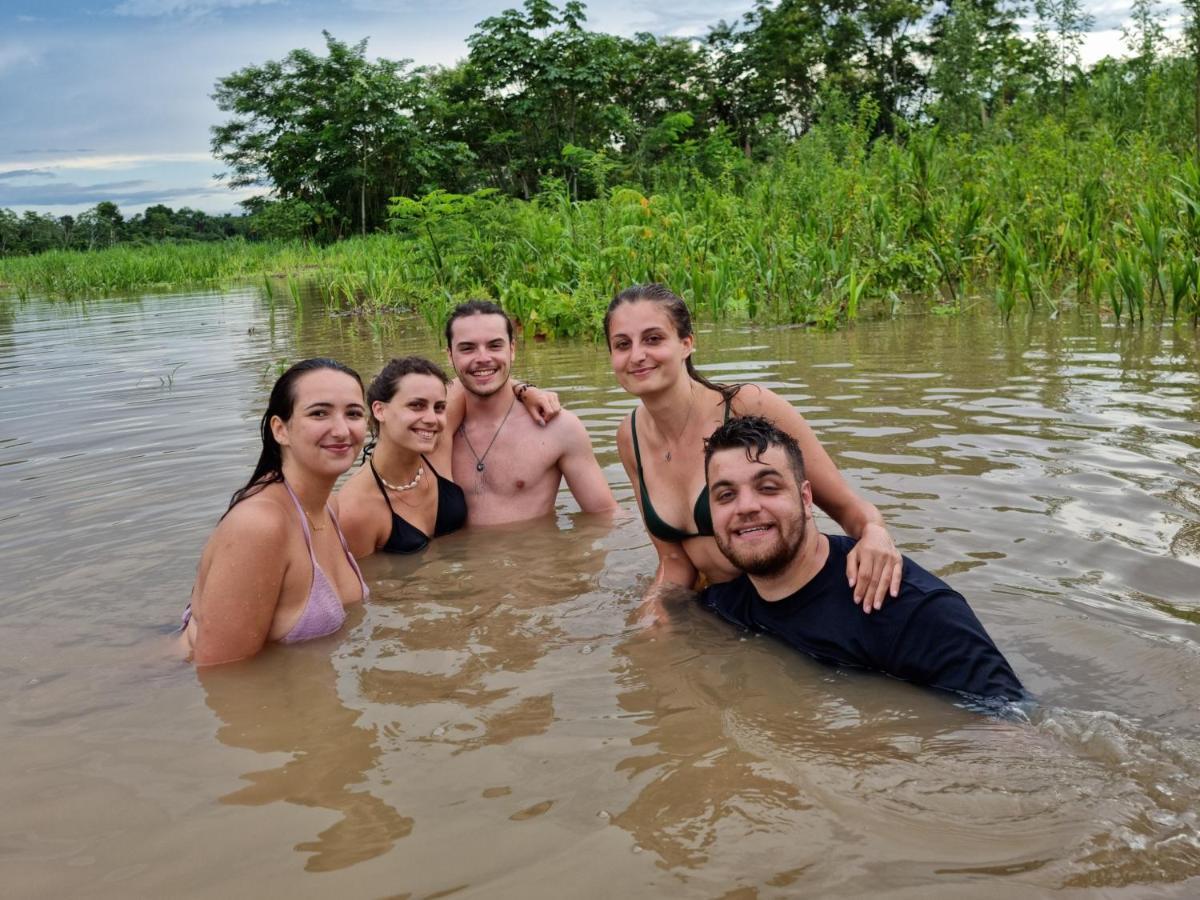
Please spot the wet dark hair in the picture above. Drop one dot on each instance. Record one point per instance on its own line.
(677, 311)
(282, 403)
(754, 434)
(384, 385)
(477, 308)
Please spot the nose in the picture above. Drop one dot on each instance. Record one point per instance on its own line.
(341, 425)
(746, 504)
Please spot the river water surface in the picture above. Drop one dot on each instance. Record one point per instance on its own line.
(491, 724)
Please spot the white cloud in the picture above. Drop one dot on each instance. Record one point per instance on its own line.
(185, 8)
(108, 161)
(13, 55)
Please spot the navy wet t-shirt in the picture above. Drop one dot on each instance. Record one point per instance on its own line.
(927, 635)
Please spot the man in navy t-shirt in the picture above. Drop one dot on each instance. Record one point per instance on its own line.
(795, 583)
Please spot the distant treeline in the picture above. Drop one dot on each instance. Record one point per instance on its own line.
(104, 226)
(541, 104)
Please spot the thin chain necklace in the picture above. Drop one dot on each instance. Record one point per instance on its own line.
(400, 488)
(313, 526)
(686, 420)
(462, 429)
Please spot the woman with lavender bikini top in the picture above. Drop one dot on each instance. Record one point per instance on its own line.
(323, 611)
(256, 582)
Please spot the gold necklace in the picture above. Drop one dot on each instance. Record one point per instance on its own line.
(686, 420)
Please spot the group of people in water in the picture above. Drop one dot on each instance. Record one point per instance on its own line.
(724, 476)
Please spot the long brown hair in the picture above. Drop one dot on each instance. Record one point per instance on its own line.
(672, 304)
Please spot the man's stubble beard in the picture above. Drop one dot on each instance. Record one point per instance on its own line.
(765, 566)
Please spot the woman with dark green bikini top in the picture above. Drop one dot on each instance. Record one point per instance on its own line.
(654, 524)
(661, 445)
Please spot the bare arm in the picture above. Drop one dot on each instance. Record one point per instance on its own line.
(237, 603)
(874, 566)
(578, 464)
(542, 405)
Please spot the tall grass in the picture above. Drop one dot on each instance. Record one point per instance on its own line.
(830, 230)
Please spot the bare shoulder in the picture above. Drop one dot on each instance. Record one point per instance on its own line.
(255, 524)
(356, 485)
(565, 429)
(753, 400)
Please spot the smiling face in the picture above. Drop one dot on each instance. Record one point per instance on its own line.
(760, 514)
(646, 352)
(415, 415)
(481, 353)
(327, 425)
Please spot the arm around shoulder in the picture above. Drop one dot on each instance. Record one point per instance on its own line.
(236, 606)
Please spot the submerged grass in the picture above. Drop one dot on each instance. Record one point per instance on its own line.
(831, 229)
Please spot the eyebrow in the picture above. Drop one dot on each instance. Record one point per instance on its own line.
(644, 331)
(326, 404)
(758, 476)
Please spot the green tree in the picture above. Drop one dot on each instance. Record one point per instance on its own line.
(851, 49)
(1191, 43)
(338, 132)
(1060, 29)
(979, 62)
(536, 81)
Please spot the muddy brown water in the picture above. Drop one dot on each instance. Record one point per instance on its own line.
(490, 724)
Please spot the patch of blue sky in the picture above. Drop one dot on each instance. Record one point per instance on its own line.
(114, 95)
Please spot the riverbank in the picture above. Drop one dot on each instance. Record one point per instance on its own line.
(832, 230)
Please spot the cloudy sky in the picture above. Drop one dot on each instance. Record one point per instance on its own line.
(109, 99)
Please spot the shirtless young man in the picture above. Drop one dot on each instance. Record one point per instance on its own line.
(509, 466)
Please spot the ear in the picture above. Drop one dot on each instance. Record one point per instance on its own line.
(689, 345)
(279, 431)
(378, 410)
(806, 495)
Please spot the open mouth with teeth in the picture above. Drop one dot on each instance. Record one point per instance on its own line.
(751, 532)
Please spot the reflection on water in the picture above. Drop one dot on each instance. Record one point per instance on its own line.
(491, 723)
(288, 703)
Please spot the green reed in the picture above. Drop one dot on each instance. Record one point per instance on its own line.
(831, 229)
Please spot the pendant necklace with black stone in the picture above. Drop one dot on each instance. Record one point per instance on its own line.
(462, 429)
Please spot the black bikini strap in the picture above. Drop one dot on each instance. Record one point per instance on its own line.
(382, 489)
(637, 451)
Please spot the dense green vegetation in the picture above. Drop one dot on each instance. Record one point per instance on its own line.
(816, 161)
(833, 227)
